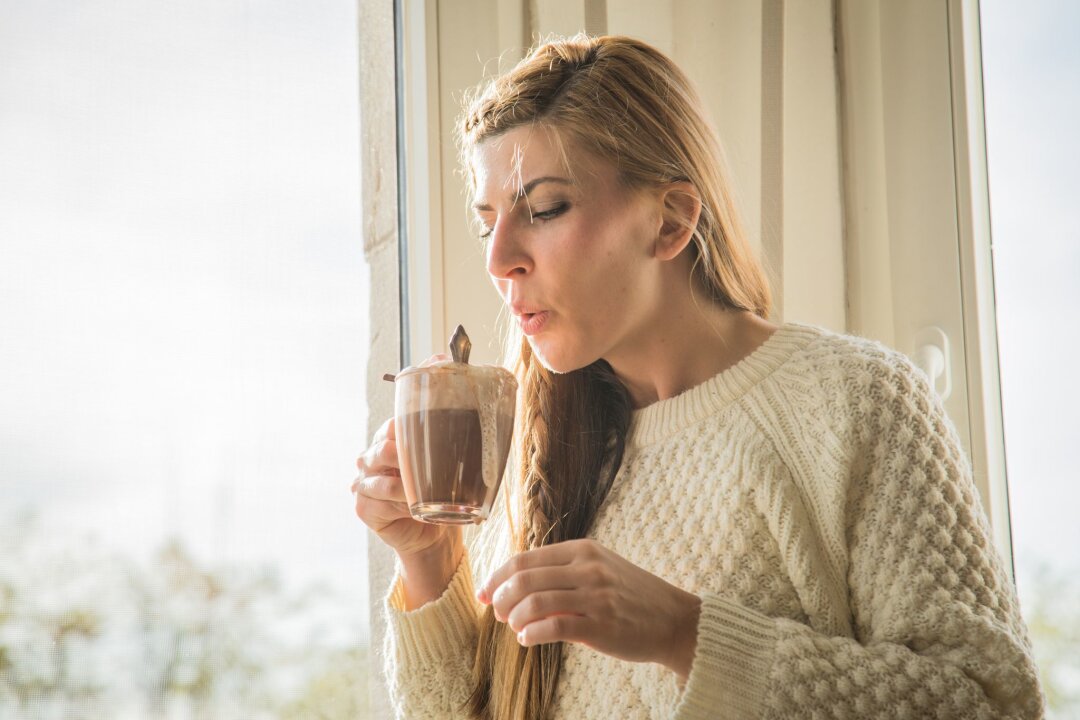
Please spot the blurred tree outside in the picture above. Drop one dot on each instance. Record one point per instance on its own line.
(85, 633)
(1052, 613)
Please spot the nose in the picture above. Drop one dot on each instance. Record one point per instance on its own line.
(506, 257)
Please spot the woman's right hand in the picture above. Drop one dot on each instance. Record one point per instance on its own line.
(381, 503)
(429, 553)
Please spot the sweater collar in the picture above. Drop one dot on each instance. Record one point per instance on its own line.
(667, 417)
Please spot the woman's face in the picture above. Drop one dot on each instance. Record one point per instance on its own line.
(571, 256)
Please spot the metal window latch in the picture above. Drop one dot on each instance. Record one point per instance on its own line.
(932, 357)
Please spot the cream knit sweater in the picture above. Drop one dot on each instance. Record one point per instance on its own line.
(817, 499)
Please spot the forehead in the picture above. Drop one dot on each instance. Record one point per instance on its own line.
(504, 163)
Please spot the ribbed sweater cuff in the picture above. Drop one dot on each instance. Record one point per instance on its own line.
(731, 665)
(438, 630)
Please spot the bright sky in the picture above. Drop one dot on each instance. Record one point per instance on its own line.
(183, 293)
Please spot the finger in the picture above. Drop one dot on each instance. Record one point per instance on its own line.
(386, 433)
(381, 514)
(527, 582)
(380, 487)
(380, 457)
(567, 628)
(549, 555)
(539, 605)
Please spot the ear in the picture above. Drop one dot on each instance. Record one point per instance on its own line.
(680, 207)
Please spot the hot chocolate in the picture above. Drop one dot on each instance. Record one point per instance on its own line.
(443, 468)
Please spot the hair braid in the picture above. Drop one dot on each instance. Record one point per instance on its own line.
(537, 435)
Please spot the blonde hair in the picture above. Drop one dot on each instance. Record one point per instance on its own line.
(621, 99)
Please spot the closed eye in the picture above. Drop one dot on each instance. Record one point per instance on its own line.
(549, 214)
(552, 213)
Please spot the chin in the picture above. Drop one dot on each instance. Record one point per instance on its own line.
(558, 362)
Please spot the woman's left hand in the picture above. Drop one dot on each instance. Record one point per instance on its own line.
(579, 591)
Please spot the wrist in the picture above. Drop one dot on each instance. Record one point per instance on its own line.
(447, 547)
(684, 636)
(425, 575)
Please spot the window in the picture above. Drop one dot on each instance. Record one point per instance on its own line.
(183, 314)
(1031, 62)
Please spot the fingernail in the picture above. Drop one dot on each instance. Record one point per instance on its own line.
(521, 637)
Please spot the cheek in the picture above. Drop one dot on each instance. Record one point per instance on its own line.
(614, 277)
(601, 274)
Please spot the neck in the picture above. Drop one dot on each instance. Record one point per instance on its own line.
(684, 347)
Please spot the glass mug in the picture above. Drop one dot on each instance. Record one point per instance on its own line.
(453, 424)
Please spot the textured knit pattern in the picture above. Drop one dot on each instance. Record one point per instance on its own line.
(816, 497)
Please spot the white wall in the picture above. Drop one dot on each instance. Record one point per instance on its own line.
(378, 199)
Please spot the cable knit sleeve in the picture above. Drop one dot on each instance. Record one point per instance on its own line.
(936, 622)
(429, 651)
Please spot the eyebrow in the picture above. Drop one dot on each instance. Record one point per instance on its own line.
(528, 188)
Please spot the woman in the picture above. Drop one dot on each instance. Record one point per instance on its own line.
(709, 515)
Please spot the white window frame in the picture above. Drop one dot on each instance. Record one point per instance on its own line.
(976, 268)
